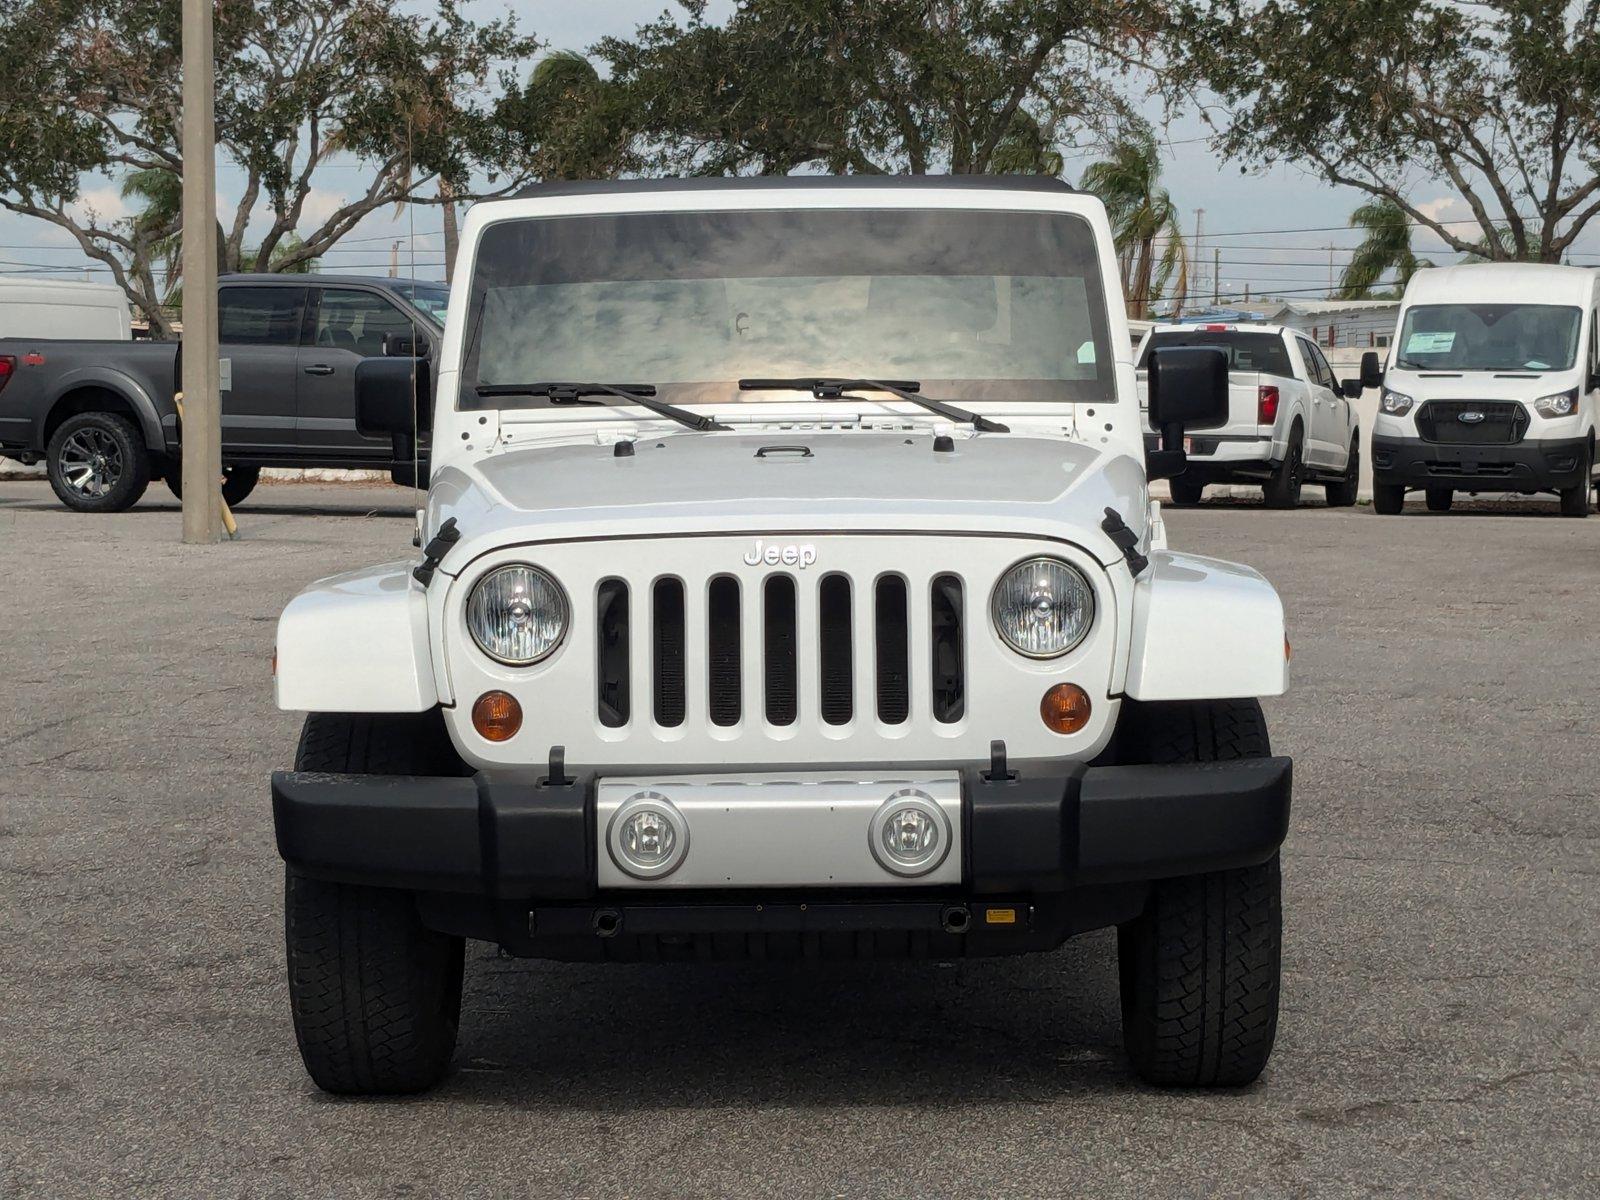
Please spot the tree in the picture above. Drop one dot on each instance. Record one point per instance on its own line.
(888, 86)
(568, 122)
(1386, 247)
(1496, 101)
(1141, 211)
(92, 87)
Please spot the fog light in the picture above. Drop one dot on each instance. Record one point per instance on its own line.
(648, 836)
(909, 834)
(497, 716)
(1065, 708)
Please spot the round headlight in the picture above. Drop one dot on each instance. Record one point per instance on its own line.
(517, 614)
(1043, 607)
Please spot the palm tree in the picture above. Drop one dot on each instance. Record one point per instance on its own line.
(1386, 247)
(1141, 210)
(160, 196)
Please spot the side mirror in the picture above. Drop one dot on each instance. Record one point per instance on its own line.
(394, 397)
(1352, 388)
(1188, 390)
(406, 345)
(1371, 370)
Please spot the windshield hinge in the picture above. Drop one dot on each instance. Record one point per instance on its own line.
(1125, 540)
(438, 546)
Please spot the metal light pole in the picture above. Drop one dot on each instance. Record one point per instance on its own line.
(202, 392)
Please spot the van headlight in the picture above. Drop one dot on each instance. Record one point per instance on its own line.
(1562, 404)
(1042, 607)
(517, 614)
(1394, 404)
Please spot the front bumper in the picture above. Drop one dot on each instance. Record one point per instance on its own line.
(513, 857)
(1533, 464)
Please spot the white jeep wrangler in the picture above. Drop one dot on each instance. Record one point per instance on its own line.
(789, 587)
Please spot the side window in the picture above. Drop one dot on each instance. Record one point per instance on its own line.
(1326, 372)
(357, 321)
(260, 316)
(1317, 368)
(1308, 358)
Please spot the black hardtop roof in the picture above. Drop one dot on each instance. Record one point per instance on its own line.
(763, 183)
(316, 279)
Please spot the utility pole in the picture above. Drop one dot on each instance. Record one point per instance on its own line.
(394, 261)
(1216, 277)
(1330, 271)
(1199, 233)
(202, 388)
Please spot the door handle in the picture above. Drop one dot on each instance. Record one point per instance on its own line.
(319, 369)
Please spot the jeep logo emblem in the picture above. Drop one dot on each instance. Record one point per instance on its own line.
(1471, 417)
(792, 555)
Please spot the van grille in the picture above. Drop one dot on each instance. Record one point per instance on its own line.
(1500, 422)
(838, 616)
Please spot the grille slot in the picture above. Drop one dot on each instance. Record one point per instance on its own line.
(722, 651)
(1503, 423)
(836, 649)
(667, 652)
(612, 691)
(781, 668)
(893, 655)
(947, 614)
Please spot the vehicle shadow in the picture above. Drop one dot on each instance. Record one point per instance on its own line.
(614, 1038)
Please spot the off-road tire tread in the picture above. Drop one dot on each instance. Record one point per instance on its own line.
(1200, 967)
(376, 996)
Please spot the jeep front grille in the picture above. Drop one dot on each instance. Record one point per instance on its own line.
(842, 610)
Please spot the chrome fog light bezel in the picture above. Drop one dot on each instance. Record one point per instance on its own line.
(912, 799)
(638, 804)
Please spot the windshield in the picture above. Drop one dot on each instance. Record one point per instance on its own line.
(1489, 337)
(973, 305)
(430, 300)
(1263, 352)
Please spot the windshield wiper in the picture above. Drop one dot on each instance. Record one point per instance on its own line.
(642, 394)
(828, 388)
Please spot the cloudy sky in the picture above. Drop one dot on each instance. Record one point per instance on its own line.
(1273, 230)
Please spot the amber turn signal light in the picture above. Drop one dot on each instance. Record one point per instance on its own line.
(497, 716)
(1065, 708)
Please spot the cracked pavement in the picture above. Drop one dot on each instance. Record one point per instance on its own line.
(1441, 909)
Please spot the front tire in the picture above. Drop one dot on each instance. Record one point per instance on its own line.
(1200, 968)
(1575, 499)
(1388, 499)
(1439, 499)
(1343, 493)
(1282, 490)
(97, 463)
(238, 481)
(375, 995)
(1185, 494)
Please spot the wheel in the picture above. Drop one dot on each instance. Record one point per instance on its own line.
(1388, 498)
(1575, 499)
(97, 463)
(237, 481)
(1282, 490)
(1439, 499)
(1184, 492)
(1343, 493)
(375, 995)
(1200, 968)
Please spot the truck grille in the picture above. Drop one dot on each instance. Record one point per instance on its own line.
(842, 612)
(1503, 422)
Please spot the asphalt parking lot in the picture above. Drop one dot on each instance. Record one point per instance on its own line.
(1442, 919)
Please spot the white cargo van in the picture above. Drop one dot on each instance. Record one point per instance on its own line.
(63, 308)
(1491, 386)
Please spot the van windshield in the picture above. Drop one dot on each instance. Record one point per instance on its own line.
(1262, 352)
(1489, 337)
(975, 305)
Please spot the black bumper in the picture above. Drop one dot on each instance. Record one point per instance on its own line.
(1527, 466)
(510, 857)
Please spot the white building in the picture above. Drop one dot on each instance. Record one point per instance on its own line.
(1338, 324)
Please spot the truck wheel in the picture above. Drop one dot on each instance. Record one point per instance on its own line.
(1388, 498)
(1575, 499)
(376, 996)
(1200, 967)
(237, 481)
(1439, 499)
(1282, 490)
(1343, 493)
(1185, 494)
(97, 463)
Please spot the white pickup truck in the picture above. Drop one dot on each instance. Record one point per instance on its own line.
(1289, 420)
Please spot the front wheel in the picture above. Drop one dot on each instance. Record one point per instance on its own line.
(1388, 498)
(1200, 967)
(1185, 494)
(237, 481)
(1343, 493)
(1575, 499)
(1439, 499)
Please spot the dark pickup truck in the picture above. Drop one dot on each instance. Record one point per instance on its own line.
(101, 414)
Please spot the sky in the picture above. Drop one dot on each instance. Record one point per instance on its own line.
(1273, 229)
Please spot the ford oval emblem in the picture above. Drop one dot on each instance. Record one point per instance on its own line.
(1471, 417)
